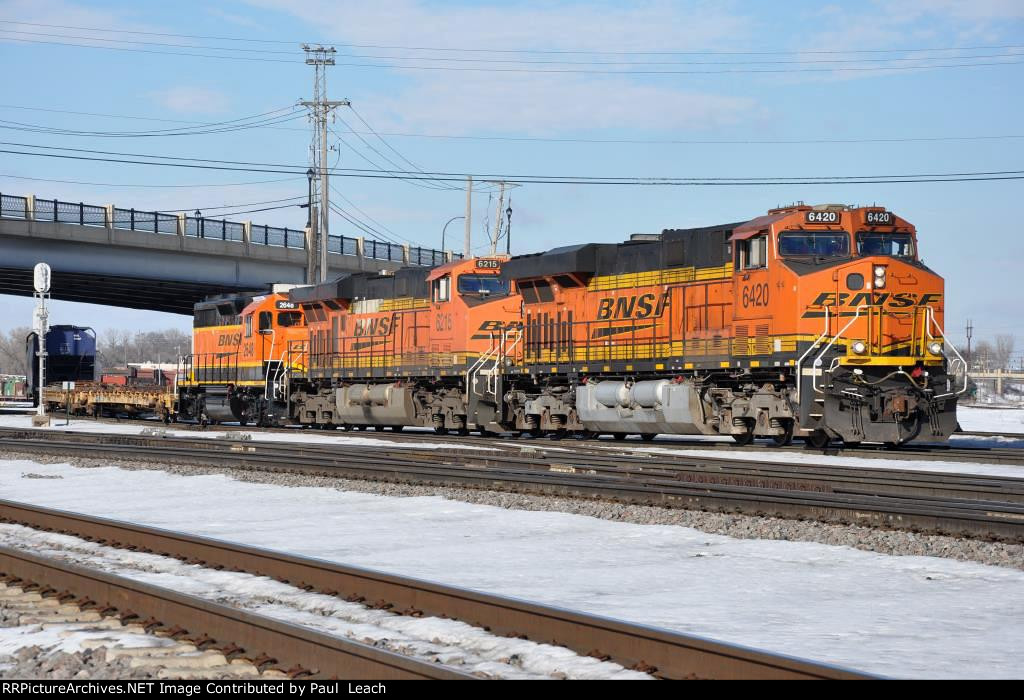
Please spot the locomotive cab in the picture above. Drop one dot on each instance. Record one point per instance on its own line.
(874, 362)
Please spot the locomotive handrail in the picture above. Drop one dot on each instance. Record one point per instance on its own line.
(945, 340)
(816, 343)
(837, 336)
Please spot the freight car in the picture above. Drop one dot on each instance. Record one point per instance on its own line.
(70, 356)
(817, 321)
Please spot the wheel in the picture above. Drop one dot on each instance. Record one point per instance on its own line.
(819, 439)
(397, 428)
(440, 430)
(743, 439)
(619, 436)
(647, 437)
(585, 434)
(786, 438)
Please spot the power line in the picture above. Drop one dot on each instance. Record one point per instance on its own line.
(236, 206)
(528, 51)
(518, 60)
(587, 180)
(385, 228)
(555, 139)
(214, 128)
(483, 176)
(391, 66)
(125, 184)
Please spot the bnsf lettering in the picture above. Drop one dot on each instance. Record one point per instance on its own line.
(642, 306)
(373, 326)
(494, 326)
(229, 339)
(899, 300)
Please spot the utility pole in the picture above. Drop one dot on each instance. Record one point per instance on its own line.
(970, 332)
(497, 221)
(467, 254)
(320, 108)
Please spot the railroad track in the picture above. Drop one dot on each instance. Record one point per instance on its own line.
(985, 507)
(303, 652)
(1012, 456)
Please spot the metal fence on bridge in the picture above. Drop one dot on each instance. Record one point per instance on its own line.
(164, 223)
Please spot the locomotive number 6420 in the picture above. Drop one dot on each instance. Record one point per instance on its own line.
(755, 295)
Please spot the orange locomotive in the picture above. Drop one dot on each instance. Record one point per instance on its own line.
(239, 366)
(417, 347)
(816, 321)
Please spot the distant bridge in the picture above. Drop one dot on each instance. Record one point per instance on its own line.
(165, 262)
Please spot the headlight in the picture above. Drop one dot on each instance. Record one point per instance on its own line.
(859, 348)
(879, 276)
(935, 347)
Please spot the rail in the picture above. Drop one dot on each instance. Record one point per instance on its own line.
(661, 652)
(32, 208)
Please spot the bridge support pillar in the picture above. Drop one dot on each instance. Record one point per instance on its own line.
(30, 207)
(405, 254)
(999, 382)
(360, 252)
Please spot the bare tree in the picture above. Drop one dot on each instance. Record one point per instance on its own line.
(13, 356)
(118, 347)
(1003, 350)
(983, 355)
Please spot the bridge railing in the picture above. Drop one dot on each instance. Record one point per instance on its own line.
(174, 224)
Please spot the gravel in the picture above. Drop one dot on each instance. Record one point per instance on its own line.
(866, 538)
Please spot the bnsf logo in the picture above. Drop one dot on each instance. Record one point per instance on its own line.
(637, 306)
(229, 339)
(496, 326)
(373, 326)
(898, 300)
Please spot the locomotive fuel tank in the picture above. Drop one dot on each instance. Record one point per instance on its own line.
(655, 406)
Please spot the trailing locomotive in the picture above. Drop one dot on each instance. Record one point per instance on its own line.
(820, 322)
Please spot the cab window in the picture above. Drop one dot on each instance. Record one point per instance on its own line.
(248, 325)
(897, 245)
(286, 319)
(752, 253)
(266, 321)
(483, 285)
(828, 244)
(442, 288)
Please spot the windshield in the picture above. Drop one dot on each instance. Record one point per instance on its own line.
(483, 285)
(817, 243)
(897, 245)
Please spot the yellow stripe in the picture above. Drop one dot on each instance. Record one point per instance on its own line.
(675, 275)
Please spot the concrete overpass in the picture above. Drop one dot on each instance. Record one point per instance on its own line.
(161, 261)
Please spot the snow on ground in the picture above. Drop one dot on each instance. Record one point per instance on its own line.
(437, 640)
(72, 637)
(991, 420)
(796, 458)
(300, 436)
(899, 616)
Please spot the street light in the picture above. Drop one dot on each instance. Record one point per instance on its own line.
(445, 229)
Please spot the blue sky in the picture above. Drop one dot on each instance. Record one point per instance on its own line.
(969, 232)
